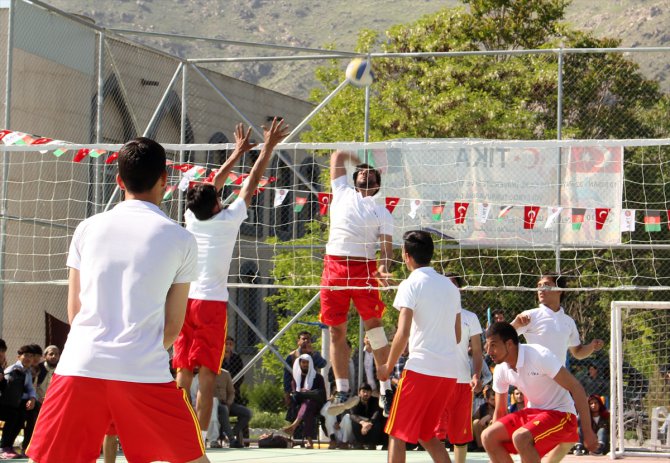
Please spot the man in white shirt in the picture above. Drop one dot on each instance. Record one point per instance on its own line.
(456, 421)
(549, 325)
(547, 425)
(130, 270)
(357, 224)
(202, 340)
(430, 319)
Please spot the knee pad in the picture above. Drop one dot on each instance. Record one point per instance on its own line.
(377, 338)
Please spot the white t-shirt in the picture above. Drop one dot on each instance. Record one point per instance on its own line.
(216, 238)
(127, 259)
(536, 367)
(470, 326)
(355, 222)
(435, 301)
(554, 330)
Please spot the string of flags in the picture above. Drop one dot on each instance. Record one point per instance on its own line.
(14, 138)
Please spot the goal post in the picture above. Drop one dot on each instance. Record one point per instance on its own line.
(639, 379)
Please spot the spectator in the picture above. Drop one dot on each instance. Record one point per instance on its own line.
(19, 397)
(38, 372)
(497, 316)
(3, 356)
(594, 383)
(600, 423)
(483, 415)
(517, 400)
(232, 362)
(308, 393)
(51, 357)
(338, 427)
(304, 347)
(367, 421)
(228, 406)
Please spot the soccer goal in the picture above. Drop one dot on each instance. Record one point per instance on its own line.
(640, 379)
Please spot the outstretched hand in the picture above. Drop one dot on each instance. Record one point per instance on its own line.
(242, 143)
(384, 278)
(276, 133)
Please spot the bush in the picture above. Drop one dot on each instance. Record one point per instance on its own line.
(266, 396)
(267, 420)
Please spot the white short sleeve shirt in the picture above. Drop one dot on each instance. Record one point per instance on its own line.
(470, 326)
(128, 258)
(536, 367)
(216, 239)
(355, 222)
(435, 301)
(556, 331)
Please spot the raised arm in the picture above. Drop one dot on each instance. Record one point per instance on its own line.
(242, 145)
(271, 137)
(338, 161)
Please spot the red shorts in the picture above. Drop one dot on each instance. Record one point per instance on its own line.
(154, 421)
(111, 430)
(418, 405)
(342, 271)
(456, 421)
(548, 427)
(202, 339)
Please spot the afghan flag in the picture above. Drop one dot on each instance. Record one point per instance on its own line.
(324, 202)
(391, 203)
(232, 178)
(530, 216)
(503, 211)
(460, 211)
(300, 202)
(437, 211)
(577, 217)
(61, 151)
(601, 217)
(169, 191)
(96, 153)
(235, 194)
(652, 221)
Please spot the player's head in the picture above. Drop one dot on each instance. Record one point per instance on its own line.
(455, 279)
(553, 280)
(203, 200)
(501, 339)
(367, 177)
(3, 352)
(142, 166)
(417, 245)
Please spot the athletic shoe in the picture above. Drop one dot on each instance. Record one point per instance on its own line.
(342, 402)
(8, 453)
(385, 402)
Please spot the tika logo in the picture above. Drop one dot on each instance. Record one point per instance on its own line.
(536, 423)
(533, 373)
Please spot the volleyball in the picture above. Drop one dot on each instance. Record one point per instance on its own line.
(359, 72)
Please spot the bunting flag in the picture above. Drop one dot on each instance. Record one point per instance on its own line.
(169, 191)
(232, 178)
(81, 154)
(324, 202)
(652, 221)
(483, 210)
(438, 209)
(264, 181)
(17, 138)
(96, 153)
(61, 151)
(460, 211)
(627, 220)
(414, 206)
(235, 194)
(601, 217)
(503, 211)
(280, 196)
(391, 203)
(553, 216)
(42, 141)
(300, 202)
(530, 216)
(182, 167)
(112, 157)
(577, 217)
(4, 133)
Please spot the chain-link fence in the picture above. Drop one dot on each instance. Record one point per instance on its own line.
(67, 79)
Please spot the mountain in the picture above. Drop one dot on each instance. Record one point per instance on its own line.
(335, 23)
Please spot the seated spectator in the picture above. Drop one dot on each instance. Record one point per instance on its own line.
(308, 393)
(224, 392)
(594, 383)
(212, 437)
(367, 422)
(338, 427)
(304, 347)
(600, 423)
(518, 401)
(38, 372)
(17, 399)
(483, 415)
(232, 362)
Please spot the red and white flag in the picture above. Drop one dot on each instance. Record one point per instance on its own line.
(553, 216)
(391, 203)
(324, 202)
(483, 211)
(414, 206)
(460, 211)
(280, 196)
(627, 220)
(601, 217)
(530, 216)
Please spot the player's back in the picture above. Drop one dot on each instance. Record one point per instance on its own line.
(128, 258)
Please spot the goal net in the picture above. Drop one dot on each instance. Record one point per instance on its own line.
(640, 383)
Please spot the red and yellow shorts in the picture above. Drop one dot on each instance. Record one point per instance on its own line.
(548, 427)
(456, 421)
(418, 405)
(344, 271)
(155, 422)
(202, 340)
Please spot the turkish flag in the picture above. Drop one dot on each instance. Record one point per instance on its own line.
(596, 159)
(42, 141)
(601, 217)
(182, 167)
(391, 203)
(112, 157)
(530, 216)
(324, 202)
(460, 211)
(3, 133)
(81, 154)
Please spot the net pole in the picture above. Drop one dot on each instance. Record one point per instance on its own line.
(619, 376)
(613, 394)
(98, 120)
(182, 139)
(559, 136)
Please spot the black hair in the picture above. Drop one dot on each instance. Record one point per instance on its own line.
(498, 311)
(504, 331)
(37, 350)
(456, 279)
(25, 350)
(305, 333)
(559, 280)
(419, 245)
(230, 338)
(201, 199)
(141, 164)
(3, 345)
(378, 175)
(365, 387)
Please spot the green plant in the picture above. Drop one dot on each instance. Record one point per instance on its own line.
(266, 397)
(267, 420)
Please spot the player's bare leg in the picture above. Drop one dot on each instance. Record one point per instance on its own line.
(205, 397)
(109, 446)
(381, 355)
(493, 438)
(339, 350)
(436, 449)
(397, 450)
(460, 452)
(558, 453)
(525, 445)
